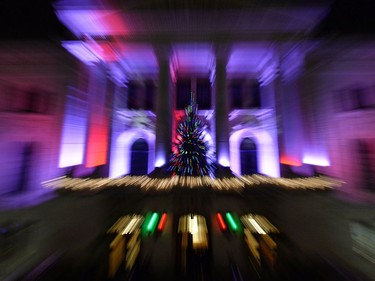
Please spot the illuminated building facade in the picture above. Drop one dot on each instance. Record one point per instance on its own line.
(106, 103)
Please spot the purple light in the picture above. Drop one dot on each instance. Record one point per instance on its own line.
(224, 161)
(222, 151)
(91, 21)
(81, 51)
(268, 159)
(28, 199)
(193, 57)
(121, 151)
(207, 138)
(160, 155)
(248, 58)
(160, 161)
(73, 133)
(317, 159)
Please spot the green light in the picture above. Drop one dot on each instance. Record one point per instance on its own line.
(231, 221)
(153, 221)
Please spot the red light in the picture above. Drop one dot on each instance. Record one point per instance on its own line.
(221, 222)
(96, 153)
(290, 161)
(162, 222)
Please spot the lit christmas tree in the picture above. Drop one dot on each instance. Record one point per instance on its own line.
(191, 155)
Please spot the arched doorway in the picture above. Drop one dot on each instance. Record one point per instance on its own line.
(121, 151)
(139, 157)
(248, 153)
(267, 151)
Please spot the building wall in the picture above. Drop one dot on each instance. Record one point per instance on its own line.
(315, 118)
(33, 79)
(337, 126)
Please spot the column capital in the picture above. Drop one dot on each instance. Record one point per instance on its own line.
(164, 55)
(222, 51)
(162, 52)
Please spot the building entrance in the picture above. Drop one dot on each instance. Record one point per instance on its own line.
(139, 157)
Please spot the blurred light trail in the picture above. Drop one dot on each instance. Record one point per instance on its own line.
(162, 221)
(231, 221)
(222, 224)
(153, 221)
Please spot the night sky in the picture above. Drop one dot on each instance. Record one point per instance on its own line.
(25, 19)
(349, 17)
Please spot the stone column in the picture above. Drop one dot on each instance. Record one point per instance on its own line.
(270, 91)
(312, 131)
(194, 88)
(220, 101)
(163, 130)
(292, 135)
(290, 108)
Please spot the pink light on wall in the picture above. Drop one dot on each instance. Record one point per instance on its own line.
(121, 151)
(98, 125)
(267, 149)
(97, 144)
(291, 161)
(103, 50)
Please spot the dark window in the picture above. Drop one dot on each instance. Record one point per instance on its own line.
(150, 89)
(110, 91)
(21, 102)
(347, 101)
(356, 98)
(133, 99)
(35, 102)
(204, 94)
(370, 96)
(255, 96)
(236, 94)
(366, 151)
(24, 100)
(7, 96)
(183, 94)
(366, 97)
(249, 161)
(26, 166)
(337, 101)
